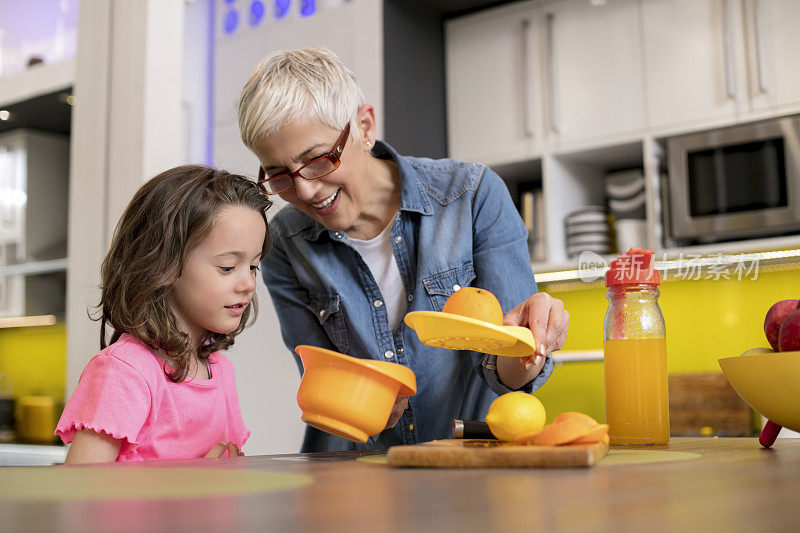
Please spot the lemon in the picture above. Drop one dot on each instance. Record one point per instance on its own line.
(758, 351)
(515, 414)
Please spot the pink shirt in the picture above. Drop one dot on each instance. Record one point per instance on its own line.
(124, 392)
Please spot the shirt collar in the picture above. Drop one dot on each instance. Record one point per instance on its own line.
(411, 198)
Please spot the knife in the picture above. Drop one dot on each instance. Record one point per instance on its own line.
(471, 429)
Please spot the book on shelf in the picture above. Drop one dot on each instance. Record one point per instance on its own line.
(532, 212)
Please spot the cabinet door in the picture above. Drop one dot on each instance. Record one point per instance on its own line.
(773, 45)
(592, 61)
(693, 54)
(492, 100)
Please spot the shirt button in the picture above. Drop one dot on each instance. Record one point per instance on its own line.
(411, 427)
(377, 303)
(410, 297)
(388, 354)
(399, 350)
(321, 313)
(398, 239)
(456, 287)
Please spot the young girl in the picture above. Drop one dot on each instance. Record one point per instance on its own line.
(178, 285)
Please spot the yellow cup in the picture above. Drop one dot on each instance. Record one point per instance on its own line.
(37, 419)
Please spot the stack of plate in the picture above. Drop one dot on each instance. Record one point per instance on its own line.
(626, 202)
(587, 230)
(626, 194)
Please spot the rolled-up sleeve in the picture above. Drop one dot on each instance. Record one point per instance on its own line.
(502, 263)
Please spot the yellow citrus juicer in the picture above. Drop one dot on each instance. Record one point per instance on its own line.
(457, 332)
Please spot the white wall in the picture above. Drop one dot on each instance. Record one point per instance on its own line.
(198, 47)
(126, 127)
(267, 377)
(136, 117)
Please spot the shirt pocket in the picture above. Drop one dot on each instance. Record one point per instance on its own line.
(440, 286)
(328, 310)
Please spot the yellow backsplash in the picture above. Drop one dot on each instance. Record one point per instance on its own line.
(35, 359)
(706, 320)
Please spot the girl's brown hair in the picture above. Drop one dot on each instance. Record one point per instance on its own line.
(166, 219)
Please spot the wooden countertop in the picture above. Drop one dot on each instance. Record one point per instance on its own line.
(734, 485)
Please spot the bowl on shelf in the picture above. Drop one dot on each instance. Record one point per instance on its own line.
(347, 396)
(769, 383)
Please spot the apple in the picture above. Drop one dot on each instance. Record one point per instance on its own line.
(758, 351)
(775, 317)
(789, 334)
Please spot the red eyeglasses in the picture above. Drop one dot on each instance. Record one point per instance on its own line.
(317, 168)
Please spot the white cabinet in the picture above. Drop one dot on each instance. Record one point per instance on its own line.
(529, 75)
(773, 43)
(594, 69)
(33, 218)
(693, 60)
(494, 85)
(720, 60)
(562, 92)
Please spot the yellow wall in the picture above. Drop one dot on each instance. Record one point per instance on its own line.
(35, 359)
(706, 320)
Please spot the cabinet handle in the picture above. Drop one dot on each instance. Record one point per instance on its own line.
(762, 83)
(730, 82)
(551, 73)
(526, 76)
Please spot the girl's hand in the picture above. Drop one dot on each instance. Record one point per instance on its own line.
(400, 405)
(219, 449)
(92, 447)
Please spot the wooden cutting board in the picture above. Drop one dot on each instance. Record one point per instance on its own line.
(490, 453)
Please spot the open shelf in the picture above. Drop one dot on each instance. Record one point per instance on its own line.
(36, 81)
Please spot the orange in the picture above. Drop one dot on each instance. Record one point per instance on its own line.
(475, 303)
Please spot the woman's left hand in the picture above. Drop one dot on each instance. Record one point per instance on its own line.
(547, 319)
(400, 405)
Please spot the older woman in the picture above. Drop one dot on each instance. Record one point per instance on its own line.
(370, 235)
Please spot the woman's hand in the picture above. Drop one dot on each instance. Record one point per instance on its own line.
(400, 405)
(547, 319)
(219, 449)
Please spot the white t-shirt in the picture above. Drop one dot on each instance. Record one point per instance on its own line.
(377, 253)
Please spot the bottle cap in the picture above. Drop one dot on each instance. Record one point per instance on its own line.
(635, 267)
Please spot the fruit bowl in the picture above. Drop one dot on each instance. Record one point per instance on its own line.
(349, 397)
(769, 383)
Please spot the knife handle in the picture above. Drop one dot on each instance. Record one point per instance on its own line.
(769, 434)
(471, 429)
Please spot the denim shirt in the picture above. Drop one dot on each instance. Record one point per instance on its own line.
(456, 226)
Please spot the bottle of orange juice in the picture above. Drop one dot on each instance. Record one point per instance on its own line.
(635, 354)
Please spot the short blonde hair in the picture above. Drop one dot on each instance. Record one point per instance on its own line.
(309, 83)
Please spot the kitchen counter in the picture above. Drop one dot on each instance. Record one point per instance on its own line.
(15, 454)
(716, 484)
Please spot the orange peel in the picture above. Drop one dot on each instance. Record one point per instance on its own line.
(596, 434)
(577, 416)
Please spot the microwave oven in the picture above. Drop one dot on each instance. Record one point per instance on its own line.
(740, 181)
